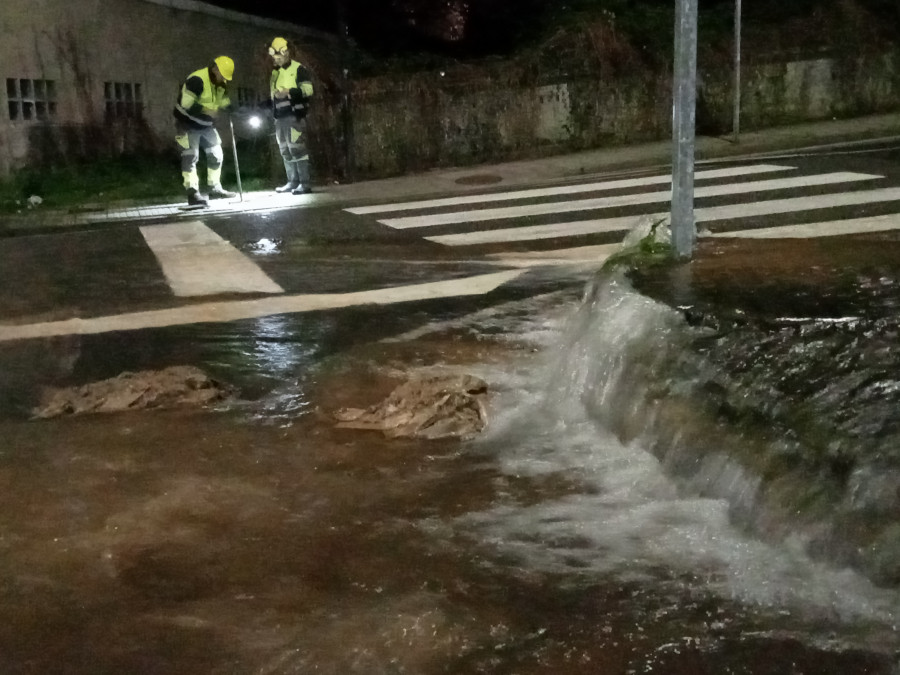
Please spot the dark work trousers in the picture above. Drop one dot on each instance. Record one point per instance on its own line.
(290, 133)
(191, 142)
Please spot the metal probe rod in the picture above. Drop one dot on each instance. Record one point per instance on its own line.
(237, 166)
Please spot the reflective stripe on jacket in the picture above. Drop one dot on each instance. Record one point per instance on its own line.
(296, 79)
(200, 109)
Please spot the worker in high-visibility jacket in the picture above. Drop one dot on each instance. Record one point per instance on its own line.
(290, 90)
(202, 96)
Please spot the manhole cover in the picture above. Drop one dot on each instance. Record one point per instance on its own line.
(479, 179)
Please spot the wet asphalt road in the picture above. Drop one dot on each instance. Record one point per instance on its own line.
(109, 269)
(259, 539)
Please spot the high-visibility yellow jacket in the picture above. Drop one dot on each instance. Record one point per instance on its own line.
(297, 80)
(200, 100)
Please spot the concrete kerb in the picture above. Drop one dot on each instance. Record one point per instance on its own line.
(561, 168)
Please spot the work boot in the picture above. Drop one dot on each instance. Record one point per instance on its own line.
(195, 198)
(290, 186)
(301, 189)
(218, 192)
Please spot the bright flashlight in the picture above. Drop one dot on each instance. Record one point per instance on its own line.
(255, 122)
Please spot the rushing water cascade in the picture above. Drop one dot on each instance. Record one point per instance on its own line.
(578, 535)
(614, 411)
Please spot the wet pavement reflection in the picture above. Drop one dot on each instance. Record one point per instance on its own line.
(255, 537)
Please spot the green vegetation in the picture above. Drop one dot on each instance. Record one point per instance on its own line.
(101, 183)
(652, 249)
(86, 184)
(258, 157)
(562, 34)
(648, 26)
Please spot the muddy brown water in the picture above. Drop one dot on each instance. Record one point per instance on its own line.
(234, 540)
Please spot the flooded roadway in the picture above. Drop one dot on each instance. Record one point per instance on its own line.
(579, 534)
(257, 538)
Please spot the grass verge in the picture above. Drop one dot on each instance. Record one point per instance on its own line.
(83, 186)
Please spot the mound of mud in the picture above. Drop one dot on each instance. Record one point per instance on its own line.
(173, 387)
(426, 406)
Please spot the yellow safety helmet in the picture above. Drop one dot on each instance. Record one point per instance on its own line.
(279, 46)
(225, 66)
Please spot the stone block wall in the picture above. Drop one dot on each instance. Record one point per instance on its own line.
(401, 126)
(826, 87)
(474, 114)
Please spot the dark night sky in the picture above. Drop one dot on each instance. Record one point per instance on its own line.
(320, 14)
(399, 26)
(480, 27)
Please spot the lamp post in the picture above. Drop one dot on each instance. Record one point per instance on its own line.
(736, 122)
(684, 116)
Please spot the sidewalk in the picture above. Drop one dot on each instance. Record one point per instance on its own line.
(606, 160)
(811, 136)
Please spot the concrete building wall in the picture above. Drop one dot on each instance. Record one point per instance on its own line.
(80, 45)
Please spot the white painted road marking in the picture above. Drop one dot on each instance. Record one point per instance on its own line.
(598, 253)
(830, 228)
(595, 255)
(549, 231)
(197, 261)
(565, 189)
(215, 312)
(582, 227)
(578, 256)
(480, 215)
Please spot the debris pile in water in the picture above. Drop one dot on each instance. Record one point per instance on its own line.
(171, 387)
(425, 406)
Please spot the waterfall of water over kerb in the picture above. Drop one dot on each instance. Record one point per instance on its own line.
(585, 415)
(626, 360)
(615, 346)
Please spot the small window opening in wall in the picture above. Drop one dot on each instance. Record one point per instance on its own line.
(124, 100)
(31, 99)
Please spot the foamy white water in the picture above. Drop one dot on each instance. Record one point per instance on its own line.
(631, 520)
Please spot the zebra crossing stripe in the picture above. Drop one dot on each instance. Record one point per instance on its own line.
(197, 261)
(621, 184)
(480, 215)
(830, 228)
(795, 204)
(217, 312)
(598, 253)
(577, 256)
(712, 213)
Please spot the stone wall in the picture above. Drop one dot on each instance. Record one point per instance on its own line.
(471, 114)
(457, 119)
(783, 92)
